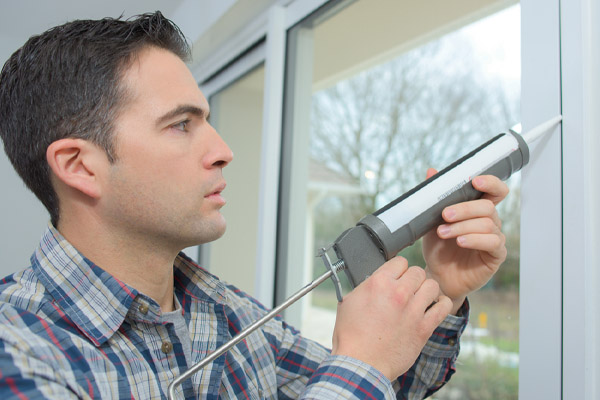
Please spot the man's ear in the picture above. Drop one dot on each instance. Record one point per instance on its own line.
(78, 164)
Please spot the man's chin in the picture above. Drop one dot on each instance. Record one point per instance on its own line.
(211, 233)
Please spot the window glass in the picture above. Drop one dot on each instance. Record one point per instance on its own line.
(377, 92)
(236, 113)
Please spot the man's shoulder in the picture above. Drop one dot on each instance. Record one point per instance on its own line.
(30, 321)
(24, 304)
(20, 324)
(200, 282)
(246, 306)
(22, 290)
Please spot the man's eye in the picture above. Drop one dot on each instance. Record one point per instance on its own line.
(182, 126)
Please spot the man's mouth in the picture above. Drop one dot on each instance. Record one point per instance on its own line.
(215, 195)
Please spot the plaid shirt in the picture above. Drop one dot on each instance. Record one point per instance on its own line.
(70, 329)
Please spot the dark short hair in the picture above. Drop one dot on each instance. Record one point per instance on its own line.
(65, 83)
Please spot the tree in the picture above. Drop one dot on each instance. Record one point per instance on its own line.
(424, 108)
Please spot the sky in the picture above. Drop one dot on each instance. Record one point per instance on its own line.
(489, 36)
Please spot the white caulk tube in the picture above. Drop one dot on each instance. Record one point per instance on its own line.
(380, 236)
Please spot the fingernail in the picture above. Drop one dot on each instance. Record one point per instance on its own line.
(444, 230)
(461, 240)
(479, 182)
(449, 214)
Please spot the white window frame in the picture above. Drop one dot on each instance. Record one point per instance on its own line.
(541, 205)
(580, 76)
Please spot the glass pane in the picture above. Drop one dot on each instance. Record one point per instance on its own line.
(232, 258)
(410, 89)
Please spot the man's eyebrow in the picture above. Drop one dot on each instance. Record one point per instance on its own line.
(183, 109)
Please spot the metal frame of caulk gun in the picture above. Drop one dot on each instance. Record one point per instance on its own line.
(378, 237)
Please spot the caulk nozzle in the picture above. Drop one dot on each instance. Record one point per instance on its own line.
(534, 134)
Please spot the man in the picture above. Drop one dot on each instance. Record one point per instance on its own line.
(106, 125)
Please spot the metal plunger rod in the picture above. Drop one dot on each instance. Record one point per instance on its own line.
(245, 332)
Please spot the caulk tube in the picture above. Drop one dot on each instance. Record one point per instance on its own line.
(403, 221)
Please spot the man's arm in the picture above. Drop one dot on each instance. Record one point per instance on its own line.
(436, 363)
(381, 328)
(306, 370)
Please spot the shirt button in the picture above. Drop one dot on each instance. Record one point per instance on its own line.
(166, 347)
(451, 342)
(143, 308)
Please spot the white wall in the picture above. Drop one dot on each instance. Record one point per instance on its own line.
(23, 220)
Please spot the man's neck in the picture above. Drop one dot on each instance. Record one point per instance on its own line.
(143, 265)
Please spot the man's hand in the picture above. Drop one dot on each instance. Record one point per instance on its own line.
(465, 252)
(387, 319)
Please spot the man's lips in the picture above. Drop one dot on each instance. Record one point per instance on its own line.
(215, 194)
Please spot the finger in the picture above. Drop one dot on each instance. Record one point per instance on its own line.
(394, 268)
(475, 225)
(438, 311)
(492, 187)
(494, 245)
(412, 280)
(471, 209)
(427, 294)
(431, 172)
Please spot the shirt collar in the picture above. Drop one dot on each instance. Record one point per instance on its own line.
(97, 302)
(195, 281)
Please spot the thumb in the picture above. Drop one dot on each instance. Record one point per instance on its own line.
(431, 172)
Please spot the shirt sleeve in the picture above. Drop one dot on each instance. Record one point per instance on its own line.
(340, 377)
(307, 370)
(436, 363)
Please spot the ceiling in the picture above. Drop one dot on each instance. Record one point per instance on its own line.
(21, 19)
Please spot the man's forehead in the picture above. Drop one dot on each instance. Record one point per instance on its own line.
(159, 76)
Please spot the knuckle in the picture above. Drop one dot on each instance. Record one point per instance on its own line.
(500, 240)
(418, 273)
(490, 226)
(396, 265)
(401, 296)
(400, 262)
(489, 206)
(494, 242)
(432, 285)
(375, 282)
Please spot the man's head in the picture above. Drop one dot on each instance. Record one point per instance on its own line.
(66, 83)
(164, 190)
